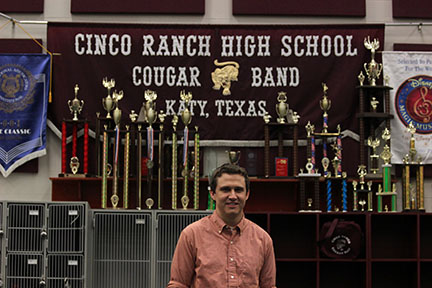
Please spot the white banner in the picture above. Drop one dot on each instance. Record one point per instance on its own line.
(410, 102)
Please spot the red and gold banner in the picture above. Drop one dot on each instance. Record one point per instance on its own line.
(233, 72)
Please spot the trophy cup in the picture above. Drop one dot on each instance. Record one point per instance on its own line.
(234, 157)
(186, 117)
(325, 105)
(108, 102)
(282, 107)
(75, 106)
(373, 69)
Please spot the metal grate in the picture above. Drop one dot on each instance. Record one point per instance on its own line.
(25, 227)
(66, 228)
(24, 270)
(168, 230)
(121, 250)
(65, 271)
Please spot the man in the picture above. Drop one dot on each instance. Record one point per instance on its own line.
(224, 249)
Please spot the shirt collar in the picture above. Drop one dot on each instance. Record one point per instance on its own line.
(220, 224)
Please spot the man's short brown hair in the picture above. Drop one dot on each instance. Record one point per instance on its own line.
(230, 169)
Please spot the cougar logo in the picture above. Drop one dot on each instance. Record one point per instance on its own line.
(222, 77)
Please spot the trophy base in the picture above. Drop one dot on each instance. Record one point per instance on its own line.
(300, 175)
(373, 176)
(78, 175)
(309, 211)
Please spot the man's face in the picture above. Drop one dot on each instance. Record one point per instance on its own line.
(230, 196)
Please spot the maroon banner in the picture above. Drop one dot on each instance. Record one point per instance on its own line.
(142, 6)
(22, 6)
(412, 9)
(233, 72)
(347, 8)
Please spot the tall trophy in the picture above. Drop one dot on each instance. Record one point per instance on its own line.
(412, 193)
(387, 189)
(186, 117)
(373, 69)
(75, 106)
(150, 118)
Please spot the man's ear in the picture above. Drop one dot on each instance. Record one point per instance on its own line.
(212, 194)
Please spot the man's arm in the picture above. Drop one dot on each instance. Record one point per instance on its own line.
(183, 263)
(268, 271)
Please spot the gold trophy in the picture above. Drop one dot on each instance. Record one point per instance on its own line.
(374, 143)
(150, 118)
(234, 157)
(108, 102)
(186, 116)
(115, 198)
(325, 105)
(75, 105)
(281, 107)
(373, 69)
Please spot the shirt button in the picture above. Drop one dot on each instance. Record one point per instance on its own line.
(232, 276)
(231, 242)
(231, 259)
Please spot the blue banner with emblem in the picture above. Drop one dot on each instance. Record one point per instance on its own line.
(24, 90)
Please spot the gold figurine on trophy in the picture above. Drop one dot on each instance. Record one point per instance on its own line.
(75, 105)
(373, 69)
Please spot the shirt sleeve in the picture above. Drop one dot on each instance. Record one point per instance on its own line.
(183, 263)
(268, 271)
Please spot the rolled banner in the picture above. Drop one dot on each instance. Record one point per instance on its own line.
(104, 168)
(196, 171)
(126, 169)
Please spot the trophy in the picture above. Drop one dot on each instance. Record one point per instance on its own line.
(374, 143)
(413, 194)
(186, 117)
(150, 118)
(325, 105)
(234, 157)
(75, 106)
(174, 164)
(108, 102)
(117, 117)
(374, 104)
(281, 107)
(161, 173)
(373, 69)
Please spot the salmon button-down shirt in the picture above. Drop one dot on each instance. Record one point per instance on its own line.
(211, 254)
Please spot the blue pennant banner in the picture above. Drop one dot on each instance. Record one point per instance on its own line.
(24, 89)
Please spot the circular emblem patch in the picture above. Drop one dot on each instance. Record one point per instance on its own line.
(341, 244)
(16, 88)
(413, 102)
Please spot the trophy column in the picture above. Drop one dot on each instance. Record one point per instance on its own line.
(75, 107)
